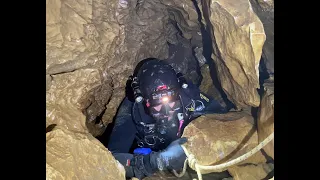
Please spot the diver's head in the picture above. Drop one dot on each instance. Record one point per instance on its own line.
(159, 87)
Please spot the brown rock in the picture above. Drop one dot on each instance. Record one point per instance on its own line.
(266, 15)
(48, 82)
(189, 25)
(71, 38)
(189, 12)
(84, 35)
(217, 138)
(238, 37)
(251, 172)
(62, 99)
(79, 156)
(109, 37)
(266, 118)
(77, 44)
(187, 16)
(207, 85)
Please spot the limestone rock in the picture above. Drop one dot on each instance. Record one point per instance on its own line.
(266, 118)
(62, 99)
(199, 55)
(251, 172)
(79, 156)
(238, 37)
(71, 37)
(48, 82)
(79, 36)
(108, 37)
(266, 15)
(189, 19)
(207, 86)
(217, 138)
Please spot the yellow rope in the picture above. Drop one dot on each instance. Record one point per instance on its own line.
(197, 167)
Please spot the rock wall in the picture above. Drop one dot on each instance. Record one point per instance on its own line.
(62, 99)
(237, 38)
(93, 46)
(222, 137)
(265, 10)
(106, 38)
(79, 156)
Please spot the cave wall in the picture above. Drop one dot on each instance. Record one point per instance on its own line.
(105, 39)
(93, 46)
(71, 155)
(237, 39)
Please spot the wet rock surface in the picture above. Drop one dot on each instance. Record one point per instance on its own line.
(238, 37)
(79, 156)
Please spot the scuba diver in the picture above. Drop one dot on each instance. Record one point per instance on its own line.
(147, 131)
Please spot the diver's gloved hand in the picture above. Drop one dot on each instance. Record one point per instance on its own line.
(172, 158)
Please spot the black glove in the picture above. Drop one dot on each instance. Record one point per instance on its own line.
(172, 158)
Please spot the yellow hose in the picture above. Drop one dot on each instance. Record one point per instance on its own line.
(197, 167)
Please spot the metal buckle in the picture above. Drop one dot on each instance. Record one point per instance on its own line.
(148, 142)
